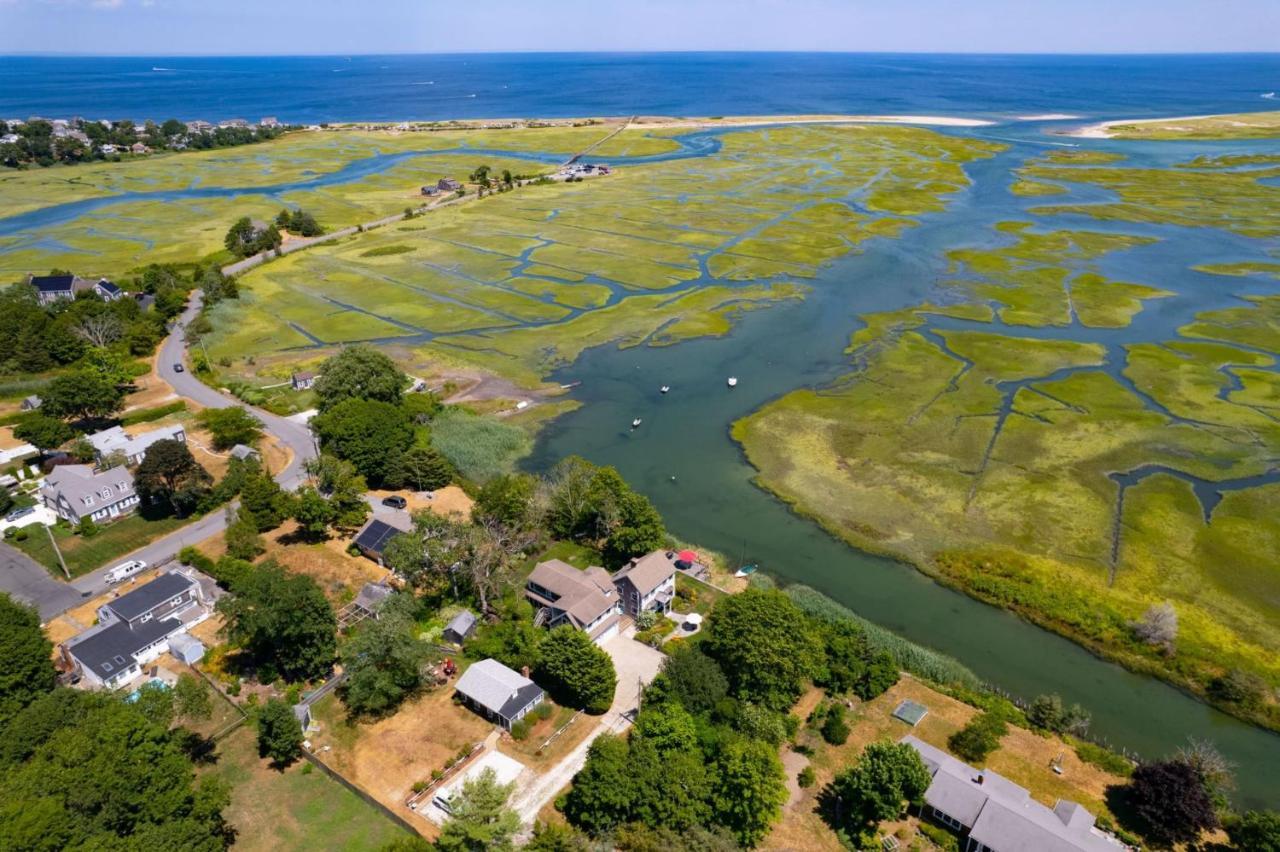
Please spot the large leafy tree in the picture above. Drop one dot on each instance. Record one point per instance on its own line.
(283, 621)
(81, 394)
(750, 788)
(507, 499)
(426, 556)
(576, 671)
(345, 489)
(42, 431)
(638, 531)
(312, 512)
(672, 789)
(602, 793)
(230, 426)
(1256, 831)
(359, 372)
(262, 498)
(479, 819)
(384, 659)
(765, 646)
(887, 777)
(26, 658)
(85, 770)
(1171, 798)
(169, 472)
(279, 733)
(421, 469)
(370, 434)
(694, 679)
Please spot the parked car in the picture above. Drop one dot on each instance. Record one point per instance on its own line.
(395, 501)
(19, 513)
(125, 570)
(178, 368)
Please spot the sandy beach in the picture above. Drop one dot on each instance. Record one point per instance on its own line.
(1181, 124)
(1102, 130)
(666, 121)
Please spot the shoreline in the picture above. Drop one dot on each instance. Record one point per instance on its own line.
(1102, 129)
(659, 122)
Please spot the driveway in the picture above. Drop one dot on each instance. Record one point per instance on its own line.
(637, 664)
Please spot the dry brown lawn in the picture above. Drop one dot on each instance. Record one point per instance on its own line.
(1024, 757)
(450, 500)
(387, 757)
(531, 753)
(7, 441)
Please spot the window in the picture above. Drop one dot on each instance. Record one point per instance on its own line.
(106, 494)
(106, 667)
(88, 499)
(119, 659)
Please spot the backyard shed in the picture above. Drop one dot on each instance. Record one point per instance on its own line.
(186, 648)
(460, 628)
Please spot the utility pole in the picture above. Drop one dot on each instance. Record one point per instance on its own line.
(57, 552)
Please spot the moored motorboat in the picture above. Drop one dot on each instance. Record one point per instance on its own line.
(636, 423)
(666, 388)
(733, 381)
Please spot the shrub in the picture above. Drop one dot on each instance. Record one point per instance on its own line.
(940, 837)
(542, 712)
(806, 778)
(835, 730)
(1103, 758)
(520, 730)
(21, 534)
(87, 527)
(979, 738)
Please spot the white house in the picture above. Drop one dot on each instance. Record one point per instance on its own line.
(76, 491)
(133, 447)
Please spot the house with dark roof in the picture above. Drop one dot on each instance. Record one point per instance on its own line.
(137, 627)
(374, 537)
(993, 814)
(31, 403)
(448, 185)
(302, 381)
(76, 491)
(498, 693)
(585, 599)
(647, 584)
(460, 627)
(55, 288)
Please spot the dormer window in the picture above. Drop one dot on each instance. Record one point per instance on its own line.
(106, 494)
(88, 499)
(106, 667)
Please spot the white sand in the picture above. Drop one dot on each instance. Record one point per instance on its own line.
(729, 121)
(1102, 130)
(1048, 116)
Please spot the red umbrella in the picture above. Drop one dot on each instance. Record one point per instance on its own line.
(688, 556)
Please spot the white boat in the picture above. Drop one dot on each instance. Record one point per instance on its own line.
(666, 388)
(733, 381)
(636, 423)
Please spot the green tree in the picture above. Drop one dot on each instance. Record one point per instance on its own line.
(384, 659)
(506, 498)
(169, 472)
(262, 498)
(279, 733)
(155, 702)
(556, 837)
(835, 729)
(880, 673)
(42, 431)
(639, 530)
(667, 727)
(512, 640)
(242, 538)
(976, 740)
(345, 488)
(887, 777)
(426, 555)
(695, 680)
(240, 237)
(359, 372)
(670, 789)
(230, 426)
(765, 646)
(283, 621)
(750, 788)
(312, 512)
(368, 433)
(26, 658)
(191, 698)
(1238, 687)
(81, 394)
(1047, 713)
(1255, 831)
(576, 671)
(479, 819)
(421, 469)
(602, 793)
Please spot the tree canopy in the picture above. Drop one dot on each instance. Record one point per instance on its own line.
(1171, 798)
(169, 472)
(887, 777)
(764, 644)
(279, 733)
(371, 434)
(81, 394)
(230, 426)
(384, 659)
(26, 658)
(359, 372)
(576, 671)
(282, 621)
(42, 431)
(479, 819)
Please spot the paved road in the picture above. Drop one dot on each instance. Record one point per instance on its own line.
(29, 581)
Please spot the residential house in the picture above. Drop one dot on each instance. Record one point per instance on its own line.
(498, 693)
(108, 148)
(198, 126)
(75, 491)
(137, 627)
(430, 191)
(53, 288)
(269, 121)
(647, 584)
(448, 185)
(374, 537)
(585, 599)
(233, 122)
(995, 815)
(31, 403)
(460, 627)
(133, 448)
(139, 148)
(10, 139)
(302, 381)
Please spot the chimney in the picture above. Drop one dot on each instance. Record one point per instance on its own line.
(980, 778)
(524, 670)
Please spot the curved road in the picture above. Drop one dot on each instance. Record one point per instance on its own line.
(30, 582)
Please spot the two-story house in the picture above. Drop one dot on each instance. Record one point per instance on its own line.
(76, 491)
(133, 448)
(137, 627)
(564, 595)
(55, 288)
(647, 584)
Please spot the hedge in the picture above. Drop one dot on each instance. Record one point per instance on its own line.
(146, 415)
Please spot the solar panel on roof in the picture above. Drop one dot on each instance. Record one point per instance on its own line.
(375, 536)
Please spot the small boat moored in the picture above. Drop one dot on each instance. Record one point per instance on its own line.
(733, 381)
(746, 570)
(635, 424)
(665, 388)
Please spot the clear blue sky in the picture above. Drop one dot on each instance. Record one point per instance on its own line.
(159, 27)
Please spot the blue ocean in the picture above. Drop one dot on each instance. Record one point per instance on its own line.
(337, 88)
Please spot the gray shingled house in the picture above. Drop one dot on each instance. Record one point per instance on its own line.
(76, 491)
(498, 693)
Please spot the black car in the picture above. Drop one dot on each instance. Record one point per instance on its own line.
(395, 501)
(177, 368)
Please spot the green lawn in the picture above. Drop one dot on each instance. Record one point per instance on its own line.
(299, 808)
(694, 595)
(576, 555)
(83, 555)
